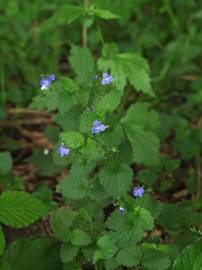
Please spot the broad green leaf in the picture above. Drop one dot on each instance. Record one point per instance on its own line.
(66, 84)
(116, 179)
(143, 219)
(125, 230)
(127, 66)
(33, 254)
(107, 248)
(80, 238)
(72, 139)
(5, 163)
(68, 252)
(82, 63)
(155, 260)
(140, 114)
(60, 222)
(66, 14)
(129, 256)
(145, 145)
(190, 258)
(70, 189)
(137, 71)
(104, 14)
(86, 121)
(109, 102)
(2, 241)
(18, 208)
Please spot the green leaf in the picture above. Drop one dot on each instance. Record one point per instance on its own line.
(71, 190)
(66, 14)
(155, 260)
(129, 256)
(72, 139)
(66, 84)
(86, 121)
(18, 208)
(126, 66)
(80, 238)
(143, 219)
(190, 258)
(68, 252)
(140, 114)
(145, 145)
(60, 221)
(33, 254)
(2, 241)
(116, 179)
(109, 102)
(107, 248)
(104, 14)
(137, 72)
(83, 64)
(5, 163)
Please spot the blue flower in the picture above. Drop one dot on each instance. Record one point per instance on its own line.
(98, 127)
(45, 82)
(106, 78)
(96, 77)
(138, 191)
(63, 151)
(122, 210)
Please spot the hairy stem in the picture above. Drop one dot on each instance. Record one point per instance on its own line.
(84, 28)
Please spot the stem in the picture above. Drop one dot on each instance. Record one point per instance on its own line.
(199, 169)
(84, 28)
(170, 13)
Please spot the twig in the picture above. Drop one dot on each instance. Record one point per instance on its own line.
(27, 122)
(26, 111)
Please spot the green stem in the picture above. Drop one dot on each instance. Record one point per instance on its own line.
(170, 13)
(84, 28)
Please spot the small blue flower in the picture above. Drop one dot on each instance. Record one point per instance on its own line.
(98, 127)
(96, 77)
(122, 210)
(138, 191)
(106, 78)
(45, 82)
(63, 151)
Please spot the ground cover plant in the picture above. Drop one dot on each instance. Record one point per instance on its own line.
(101, 135)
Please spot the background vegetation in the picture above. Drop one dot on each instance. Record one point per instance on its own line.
(54, 224)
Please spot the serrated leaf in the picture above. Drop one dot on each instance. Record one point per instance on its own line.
(18, 208)
(60, 222)
(33, 254)
(71, 190)
(129, 256)
(86, 122)
(82, 63)
(104, 14)
(68, 252)
(2, 241)
(5, 163)
(72, 139)
(80, 238)
(155, 260)
(116, 179)
(145, 145)
(140, 114)
(127, 66)
(143, 219)
(190, 258)
(66, 14)
(107, 248)
(109, 102)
